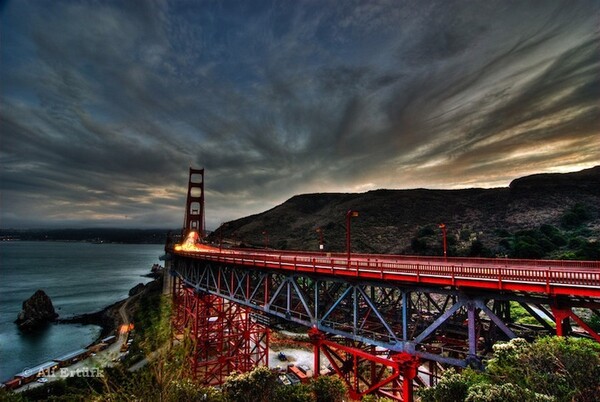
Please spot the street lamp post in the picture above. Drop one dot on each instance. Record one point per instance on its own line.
(266, 239)
(223, 225)
(320, 232)
(221, 237)
(349, 215)
(443, 227)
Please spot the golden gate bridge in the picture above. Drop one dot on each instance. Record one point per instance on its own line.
(383, 323)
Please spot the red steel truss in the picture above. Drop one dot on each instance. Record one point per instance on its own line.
(224, 336)
(365, 369)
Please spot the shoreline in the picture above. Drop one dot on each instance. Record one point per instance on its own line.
(114, 318)
(109, 318)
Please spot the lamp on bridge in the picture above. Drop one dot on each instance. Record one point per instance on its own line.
(349, 215)
(320, 232)
(443, 227)
(223, 225)
(266, 238)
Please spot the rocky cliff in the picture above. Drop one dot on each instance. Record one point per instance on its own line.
(37, 311)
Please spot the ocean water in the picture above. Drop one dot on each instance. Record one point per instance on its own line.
(78, 277)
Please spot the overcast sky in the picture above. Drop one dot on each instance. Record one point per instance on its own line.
(104, 105)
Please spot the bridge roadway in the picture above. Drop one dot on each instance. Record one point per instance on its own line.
(548, 277)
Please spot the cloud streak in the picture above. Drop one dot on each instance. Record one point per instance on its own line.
(105, 105)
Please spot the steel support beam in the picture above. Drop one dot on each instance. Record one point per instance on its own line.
(507, 331)
(438, 322)
(225, 336)
(352, 362)
(562, 316)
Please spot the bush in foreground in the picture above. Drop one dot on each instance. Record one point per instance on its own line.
(261, 385)
(550, 369)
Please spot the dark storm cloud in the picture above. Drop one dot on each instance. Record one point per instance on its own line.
(106, 104)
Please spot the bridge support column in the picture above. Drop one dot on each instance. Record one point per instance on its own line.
(316, 337)
(561, 318)
(563, 327)
(366, 370)
(225, 337)
(408, 365)
(181, 299)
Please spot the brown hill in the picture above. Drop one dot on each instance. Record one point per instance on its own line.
(405, 221)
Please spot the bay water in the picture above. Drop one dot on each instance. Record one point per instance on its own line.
(79, 278)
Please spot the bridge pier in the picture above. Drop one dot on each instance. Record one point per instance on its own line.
(365, 368)
(224, 336)
(562, 316)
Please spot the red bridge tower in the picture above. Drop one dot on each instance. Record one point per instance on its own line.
(225, 336)
(194, 207)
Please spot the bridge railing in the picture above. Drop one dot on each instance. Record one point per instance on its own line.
(507, 262)
(547, 276)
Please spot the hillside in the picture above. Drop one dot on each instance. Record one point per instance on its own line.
(538, 216)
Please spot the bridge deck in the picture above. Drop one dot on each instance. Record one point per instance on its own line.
(550, 277)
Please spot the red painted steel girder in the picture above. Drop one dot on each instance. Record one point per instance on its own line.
(347, 361)
(564, 313)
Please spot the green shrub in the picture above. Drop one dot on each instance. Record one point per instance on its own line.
(565, 368)
(425, 231)
(375, 398)
(479, 250)
(589, 251)
(419, 246)
(577, 242)
(329, 389)
(452, 387)
(503, 393)
(464, 235)
(550, 369)
(9, 396)
(594, 322)
(257, 385)
(527, 249)
(549, 230)
(519, 315)
(294, 393)
(502, 233)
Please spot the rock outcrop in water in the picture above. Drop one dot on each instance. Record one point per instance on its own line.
(37, 312)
